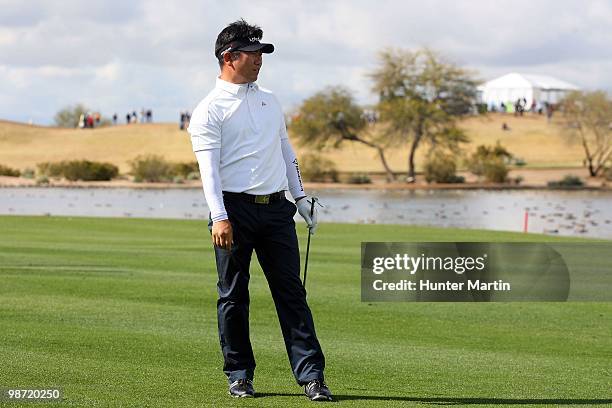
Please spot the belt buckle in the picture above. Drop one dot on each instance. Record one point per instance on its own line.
(262, 199)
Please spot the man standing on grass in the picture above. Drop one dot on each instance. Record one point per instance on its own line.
(240, 140)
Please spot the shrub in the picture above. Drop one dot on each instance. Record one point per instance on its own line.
(441, 168)
(42, 181)
(151, 168)
(456, 180)
(195, 175)
(50, 169)
(490, 162)
(7, 171)
(79, 170)
(567, 181)
(359, 178)
(89, 171)
(318, 169)
(185, 169)
(28, 173)
(333, 175)
(608, 174)
(495, 171)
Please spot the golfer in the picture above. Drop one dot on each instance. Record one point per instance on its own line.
(247, 163)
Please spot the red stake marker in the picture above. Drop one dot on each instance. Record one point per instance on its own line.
(526, 221)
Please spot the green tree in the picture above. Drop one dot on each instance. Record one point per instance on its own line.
(69, 115)
(420, 98)
(587, 118)
(331, 117)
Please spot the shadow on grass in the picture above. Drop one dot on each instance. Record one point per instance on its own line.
(457, 401)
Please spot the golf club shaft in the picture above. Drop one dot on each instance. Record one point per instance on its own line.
(312, 204)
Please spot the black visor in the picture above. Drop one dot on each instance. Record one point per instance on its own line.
(245, 45)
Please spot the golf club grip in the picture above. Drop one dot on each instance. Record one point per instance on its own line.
(312, 204)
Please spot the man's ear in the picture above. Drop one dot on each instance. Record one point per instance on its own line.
(227, 57)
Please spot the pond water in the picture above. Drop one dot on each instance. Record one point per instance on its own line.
(574, 213)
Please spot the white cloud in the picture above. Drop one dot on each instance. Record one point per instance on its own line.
(117, 55)
(108, 72)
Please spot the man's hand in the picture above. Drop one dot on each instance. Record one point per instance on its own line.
(304, 206)
(222, 234)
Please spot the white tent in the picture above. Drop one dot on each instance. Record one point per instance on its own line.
(510, 87)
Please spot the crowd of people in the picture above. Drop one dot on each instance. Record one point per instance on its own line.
(93, 119)
(146, 116)
(519, 107)
(89, 120)
(370, 116)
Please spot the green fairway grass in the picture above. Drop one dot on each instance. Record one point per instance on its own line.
(122, 312)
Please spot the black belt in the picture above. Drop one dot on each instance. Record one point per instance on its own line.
(257, 199)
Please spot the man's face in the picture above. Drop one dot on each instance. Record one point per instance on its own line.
(247, 65)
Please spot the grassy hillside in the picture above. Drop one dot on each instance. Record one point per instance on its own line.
(23, 146)
(531, 138)
(122, 312)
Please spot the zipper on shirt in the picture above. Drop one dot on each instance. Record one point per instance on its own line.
(250, 94)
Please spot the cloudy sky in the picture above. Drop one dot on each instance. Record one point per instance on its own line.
(120, 55)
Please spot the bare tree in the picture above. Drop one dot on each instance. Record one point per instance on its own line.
(587, 118)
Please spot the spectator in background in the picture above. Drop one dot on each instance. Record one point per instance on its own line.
(184, 120)
(128, 118)
(149, 114)
(519, 106)
(89, 120)
(549, 111)
(134, 117)
(114, 118)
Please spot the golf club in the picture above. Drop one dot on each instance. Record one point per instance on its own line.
(312, 205)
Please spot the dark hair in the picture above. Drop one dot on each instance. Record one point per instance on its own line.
(237, 30)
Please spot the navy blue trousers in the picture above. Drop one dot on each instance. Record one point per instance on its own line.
(268, 229)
